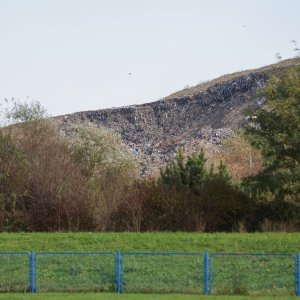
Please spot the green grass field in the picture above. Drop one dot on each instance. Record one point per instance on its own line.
(199, 242)
(248, 275)
(105, 296)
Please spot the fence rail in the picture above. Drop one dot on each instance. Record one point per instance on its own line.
(151, 272)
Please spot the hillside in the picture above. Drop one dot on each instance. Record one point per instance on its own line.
(201, 116)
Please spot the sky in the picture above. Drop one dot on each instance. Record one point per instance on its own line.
(78, 55)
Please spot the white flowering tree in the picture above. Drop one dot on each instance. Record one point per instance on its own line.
(106, 161)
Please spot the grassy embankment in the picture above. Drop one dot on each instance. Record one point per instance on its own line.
(242, 275)
(216, 242)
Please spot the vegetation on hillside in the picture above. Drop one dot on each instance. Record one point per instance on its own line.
(185, 197)
(50, 182)
(189, 197)
(241, 159)
(202, 86)
(275, 130)
(85, 179)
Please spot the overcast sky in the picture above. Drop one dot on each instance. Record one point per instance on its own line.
(74, 55)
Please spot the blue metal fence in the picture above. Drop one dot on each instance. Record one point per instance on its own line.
(297, 275)
(151, 272)
(162, 272)
(76, 271)
(252, 273)
(15, 272)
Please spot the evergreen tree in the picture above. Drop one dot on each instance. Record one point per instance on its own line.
(192, 171)
(194, 197)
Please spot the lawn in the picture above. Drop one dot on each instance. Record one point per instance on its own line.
(105, 296)
(181, 241)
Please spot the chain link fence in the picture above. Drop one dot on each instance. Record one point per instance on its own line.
(151, 272)
(252, 274)
(166, 272)
(14, 272)
(75, 271)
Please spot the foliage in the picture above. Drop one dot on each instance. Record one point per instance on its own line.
(208, 198)
(50, 181)
(241, 159)
(192, 172)
(275, 130)
(12, 174)
(15, 111)
(86, 179)
(106, 163)
(99, 149)
(186, 197)
(52, 191)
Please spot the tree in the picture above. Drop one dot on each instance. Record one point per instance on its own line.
(200, 198)
(13, 171)
(192, 171)
(15, 111)
(55, 181)
(275, 130)
(107, 163)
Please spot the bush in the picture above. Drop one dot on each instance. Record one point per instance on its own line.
(186, 197)
(50, 181)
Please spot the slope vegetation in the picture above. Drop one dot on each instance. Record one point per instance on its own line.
(191, 119)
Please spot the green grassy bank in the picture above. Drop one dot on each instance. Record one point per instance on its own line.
(215, 242)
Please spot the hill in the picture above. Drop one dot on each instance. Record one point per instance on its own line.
(191, 119)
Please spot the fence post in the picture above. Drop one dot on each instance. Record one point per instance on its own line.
(32, 272)
(119, 272)
(298, 274)
(206, 274)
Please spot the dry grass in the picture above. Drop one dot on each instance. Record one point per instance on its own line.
(203, 86)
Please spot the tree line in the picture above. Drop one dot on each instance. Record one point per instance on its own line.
(84, 179)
